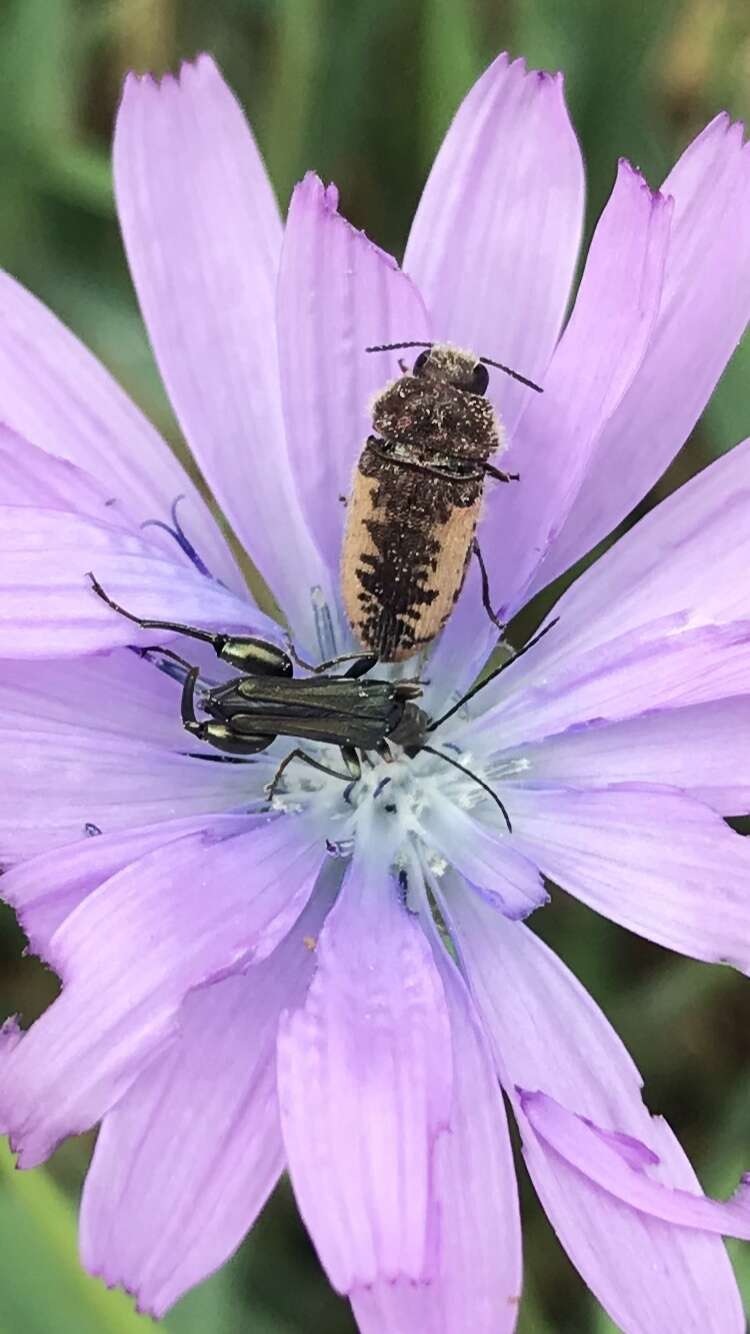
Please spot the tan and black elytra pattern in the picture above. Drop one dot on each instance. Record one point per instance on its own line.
(415, 503)
(410, 519)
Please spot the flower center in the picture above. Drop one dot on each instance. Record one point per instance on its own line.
(410, 791)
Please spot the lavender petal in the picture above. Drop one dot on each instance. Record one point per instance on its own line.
(44, 890)
(609, 1163)
(338, 294)
(98, 741)
(59, 396)
(658, 666)
(49, 609)
(365, 1087)
(203, 237)
(190, 912)
(598, 357)
(485, 857)
(700, 749)
(599, 353)
(547, 1033)
(186, 1160)
(477, 1286)
(650, 858)
(495, 237)
(667, 608)
(705, 308)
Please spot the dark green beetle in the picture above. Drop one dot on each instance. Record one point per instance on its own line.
(247, 713)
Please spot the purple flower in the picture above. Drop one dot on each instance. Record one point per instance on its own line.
(246, 990)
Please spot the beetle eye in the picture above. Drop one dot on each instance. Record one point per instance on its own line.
(421, 361)
(480, 379)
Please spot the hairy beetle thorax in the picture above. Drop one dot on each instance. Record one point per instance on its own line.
(429, 421)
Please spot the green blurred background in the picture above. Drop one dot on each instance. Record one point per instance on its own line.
(362, 90)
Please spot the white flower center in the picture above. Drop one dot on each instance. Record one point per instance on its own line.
(405, 790)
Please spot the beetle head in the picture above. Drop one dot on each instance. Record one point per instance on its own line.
(451, 365)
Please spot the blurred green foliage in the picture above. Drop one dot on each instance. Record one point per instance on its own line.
(363, 92)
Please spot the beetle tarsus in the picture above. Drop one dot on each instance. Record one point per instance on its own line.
(486, 602)
(499, 475)
(146, 623)
(361, 662)
(187, 702)
(299, 754)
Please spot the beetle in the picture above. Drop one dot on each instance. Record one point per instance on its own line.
(416, 498)
(249, 711)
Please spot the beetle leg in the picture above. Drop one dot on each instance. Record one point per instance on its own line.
(464, 472)
(299, 754)
(187, 702)
(217, 734)
(193, 632)
(166, 653)
(352, 762)
(499, 475)
(242, 651)
(486, 588)
(487, 469)
(365, 664)
(361, 662)
(382, 749)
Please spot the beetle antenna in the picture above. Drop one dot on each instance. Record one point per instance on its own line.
(492, 677)
(431, 751)
(515, 375)
(393, 347)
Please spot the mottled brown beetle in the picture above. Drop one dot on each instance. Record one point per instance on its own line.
(416, 499)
